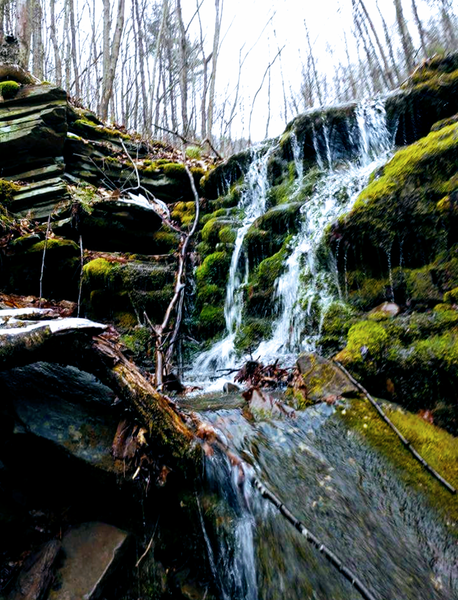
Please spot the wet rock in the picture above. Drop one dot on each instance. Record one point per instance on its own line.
(229, 387)
(65, 406)
(37, 574)
(92, 551)
(323, 379)
(390, 309)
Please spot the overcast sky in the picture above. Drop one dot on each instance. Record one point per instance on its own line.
(243, 22)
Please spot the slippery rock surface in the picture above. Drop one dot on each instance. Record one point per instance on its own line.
(92, 551)
(323, 379)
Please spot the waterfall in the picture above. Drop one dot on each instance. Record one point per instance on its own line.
(305, 290)
(252, 205)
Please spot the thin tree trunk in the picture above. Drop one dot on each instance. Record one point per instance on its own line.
(312, 61)
(379, 45)
(211, 96)
(184, 69)
(394, 64)
(112, 59)
(24, 31)
(37, 40)
(421, 31)
(55, 45)
(76, 77)
(406, 40)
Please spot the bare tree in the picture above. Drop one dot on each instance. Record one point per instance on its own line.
(110, 57)
(406, 40)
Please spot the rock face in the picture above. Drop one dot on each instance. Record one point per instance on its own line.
(65, 406)
(92, 552)
(323, 379)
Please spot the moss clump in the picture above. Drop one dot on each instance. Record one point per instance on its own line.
(436, 446)
(451, 297)
(211, 230)
(336, 322)
(210, 321)
(53, 244)
(194, 152)
(184, 213)
(100, 273)
(252, 332)
(7, 191)
(368, 335)
(9, 89)
(227, 235)
(174, 170)
(210, 294)
(213, 270)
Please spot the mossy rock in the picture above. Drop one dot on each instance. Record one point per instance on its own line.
(367, 340)
(213, 270)
(9, 89)
(7, 191)
(210, 321)
(251, 333)
(100, 273)
(396, 216)
(437, 447)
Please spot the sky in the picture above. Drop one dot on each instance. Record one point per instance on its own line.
(243, 23)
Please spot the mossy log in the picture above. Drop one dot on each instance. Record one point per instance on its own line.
(33, 335)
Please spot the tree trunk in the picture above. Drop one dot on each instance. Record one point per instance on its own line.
(421, 31)
(55, 45)
(379, 45)
(37, 39)
(406, 40)
(184, 68)
(211, 96)
(24, 31)
(76, 77)
(110, 60)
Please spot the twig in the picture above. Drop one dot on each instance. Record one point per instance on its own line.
(81, 275)
(147, 547)
(43, 259)
(404, 441)
(333, 559)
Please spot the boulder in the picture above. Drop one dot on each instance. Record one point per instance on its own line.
(65, 406)
(323, 379)
(92, 551)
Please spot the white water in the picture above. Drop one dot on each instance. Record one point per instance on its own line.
(253, 205)
(305, 290)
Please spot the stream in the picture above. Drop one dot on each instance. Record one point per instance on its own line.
(344, 492)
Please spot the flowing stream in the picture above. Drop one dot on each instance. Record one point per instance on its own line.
(343, 491)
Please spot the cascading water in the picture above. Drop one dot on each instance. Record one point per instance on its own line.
(305, 290)
(252, 205)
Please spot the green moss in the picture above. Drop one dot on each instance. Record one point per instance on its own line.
(452, 296)
(368, 334)
(436, 446)
(100, 273)
(227, 235)
(174, 170)
(428, 154)
(210, 321)
(210, 294)
(213, 270)
(7, 191)
(53, 244)
(252, 332)
(9, 89)
(194, 152)
(166, 241)
(211, 230)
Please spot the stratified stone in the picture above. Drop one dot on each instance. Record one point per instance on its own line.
(65, 406)
(37, 574)
(92, 551)
(323, 379)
